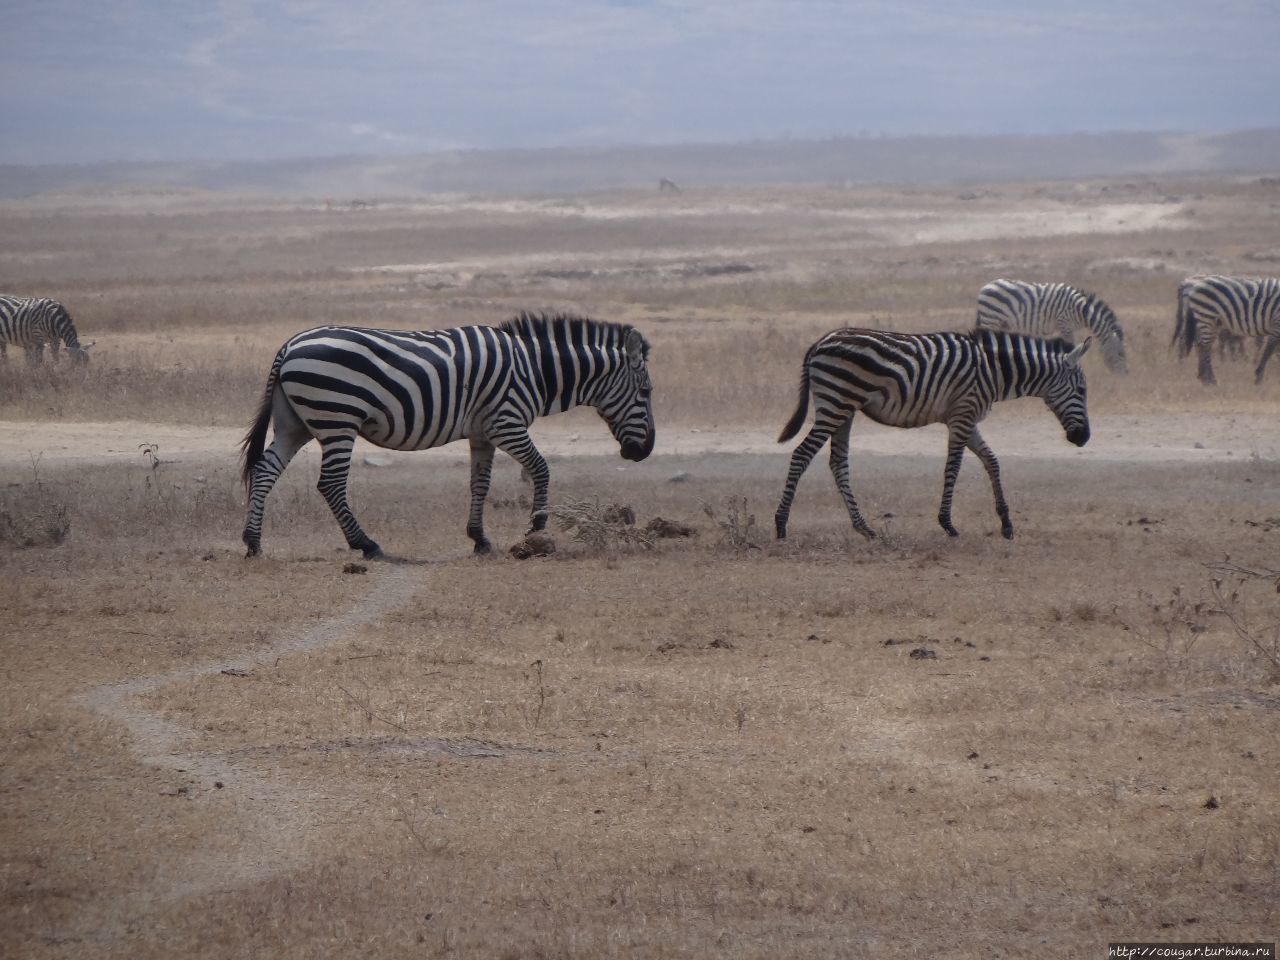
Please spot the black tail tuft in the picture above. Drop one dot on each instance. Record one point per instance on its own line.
(255, 441)
(802, 407)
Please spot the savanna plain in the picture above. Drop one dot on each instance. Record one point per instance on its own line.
(639, 746)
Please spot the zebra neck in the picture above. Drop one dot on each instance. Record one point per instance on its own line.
(570, 358)
(1016, 363)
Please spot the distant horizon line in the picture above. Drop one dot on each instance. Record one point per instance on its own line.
(757, 142)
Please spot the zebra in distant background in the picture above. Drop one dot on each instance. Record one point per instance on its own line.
(1212, 306)
(1052, 310)
(411, 390)
(31, 322)
(910, 380)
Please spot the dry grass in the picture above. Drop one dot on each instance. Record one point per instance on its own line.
(712, 746)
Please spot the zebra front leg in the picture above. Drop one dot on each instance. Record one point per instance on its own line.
(957, 440)
(1272, 342)
(840, 470)
(335, 465)
(988, 458)
(800, 460)
(519, 446)
(481, 472)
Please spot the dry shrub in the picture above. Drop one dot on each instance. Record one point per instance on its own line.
(599, 526)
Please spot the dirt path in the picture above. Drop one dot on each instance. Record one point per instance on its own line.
(272, 810)
(1022, 429)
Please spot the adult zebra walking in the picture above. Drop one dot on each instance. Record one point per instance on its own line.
(910, 380)
(31, 322)
(1213, 306)
(1052, 310)
(411, 390)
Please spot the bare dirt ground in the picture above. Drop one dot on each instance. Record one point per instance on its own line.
(719, 745)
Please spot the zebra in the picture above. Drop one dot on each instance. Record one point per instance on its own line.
(1052, 310)
(1211, 307)
(31, 322)
(412, 390)
(910, 380)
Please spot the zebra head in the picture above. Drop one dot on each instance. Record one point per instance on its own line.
(625, 402)
(1101, 320)
(1064, 393)
(80, 352)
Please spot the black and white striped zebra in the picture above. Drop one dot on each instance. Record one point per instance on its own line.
(1210, 307)
(910, 380)
(1052, 310)
(414, 390)
(32, 322)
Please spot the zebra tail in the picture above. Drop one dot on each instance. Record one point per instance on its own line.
(255, 441)
(802, 408)
(1184, 333)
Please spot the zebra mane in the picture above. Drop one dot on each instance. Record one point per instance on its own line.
(539, 326)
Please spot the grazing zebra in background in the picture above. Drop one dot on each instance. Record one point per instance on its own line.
(31, 322)
(411, 390)
(1052, 310)
(1212, 306)
(910, 380)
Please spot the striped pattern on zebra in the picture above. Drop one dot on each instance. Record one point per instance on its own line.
(31, 322)
(411, 390)
(1213, 306)
(1052, 310)
(910, 380)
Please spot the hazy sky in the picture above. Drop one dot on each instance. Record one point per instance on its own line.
(202, 79)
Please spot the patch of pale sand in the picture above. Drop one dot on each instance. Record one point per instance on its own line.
(1022, 429)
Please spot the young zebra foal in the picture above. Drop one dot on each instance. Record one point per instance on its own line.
(910, 380)
(410, 390)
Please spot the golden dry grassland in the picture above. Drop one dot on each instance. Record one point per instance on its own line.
(709, 746)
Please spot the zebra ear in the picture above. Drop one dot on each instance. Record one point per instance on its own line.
(635, 345)
(1074, 356)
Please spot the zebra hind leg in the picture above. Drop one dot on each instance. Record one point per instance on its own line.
(1204, 350)
(1272, 342)
(988, 458)
(290, 437)
(800, 460)
(335, 465)
(840, 470)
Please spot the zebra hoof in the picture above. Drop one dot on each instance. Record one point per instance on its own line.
(253, 552)
(374, 552)
(1006, 532)
(483, 548)
(951, 531)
